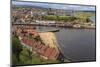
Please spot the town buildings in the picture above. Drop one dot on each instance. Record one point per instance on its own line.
(42, 50)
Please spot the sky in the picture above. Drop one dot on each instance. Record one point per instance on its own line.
(55, 6)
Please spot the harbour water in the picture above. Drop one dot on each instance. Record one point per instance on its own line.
(75, 44)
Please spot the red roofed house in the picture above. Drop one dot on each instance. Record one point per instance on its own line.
(54, 54)
(27, 43)
(44, 51)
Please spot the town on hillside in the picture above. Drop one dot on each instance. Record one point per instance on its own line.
(34, 27)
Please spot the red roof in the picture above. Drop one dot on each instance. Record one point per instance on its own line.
(43, 49)
(50, 53)
(27, 42)
(54, 54)
(33, 32)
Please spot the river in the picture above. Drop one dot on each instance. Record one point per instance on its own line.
(76, 44)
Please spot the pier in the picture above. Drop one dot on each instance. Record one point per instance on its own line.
(76, 26)
(50, 30)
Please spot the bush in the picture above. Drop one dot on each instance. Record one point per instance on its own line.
(16, 49)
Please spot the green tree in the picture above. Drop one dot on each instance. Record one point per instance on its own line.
(16, 48)
(25, 56)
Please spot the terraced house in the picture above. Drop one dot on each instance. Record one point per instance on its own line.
(42, 50)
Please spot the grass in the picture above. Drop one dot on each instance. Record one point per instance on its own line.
(60, 18)
(36, 59)
(50, 61)
(84, 14)
(24, 58)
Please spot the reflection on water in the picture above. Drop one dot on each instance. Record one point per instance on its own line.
(76, 44)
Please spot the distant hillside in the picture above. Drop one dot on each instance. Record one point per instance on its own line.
(40, 7)
(28, 6)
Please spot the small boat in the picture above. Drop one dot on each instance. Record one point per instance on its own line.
(54, 30)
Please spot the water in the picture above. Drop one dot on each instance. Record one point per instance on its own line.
(76, 44)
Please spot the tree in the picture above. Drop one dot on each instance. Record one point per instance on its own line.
(25, 56)
(16, 47)
(37, 38)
